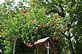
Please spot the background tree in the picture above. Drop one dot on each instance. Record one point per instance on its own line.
(71, 11)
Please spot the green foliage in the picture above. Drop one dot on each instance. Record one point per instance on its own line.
(41, 19)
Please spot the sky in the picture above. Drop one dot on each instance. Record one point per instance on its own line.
(1, 1)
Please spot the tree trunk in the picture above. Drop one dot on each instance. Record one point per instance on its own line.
(71, 47)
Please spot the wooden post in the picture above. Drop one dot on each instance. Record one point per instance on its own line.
(48, 47)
